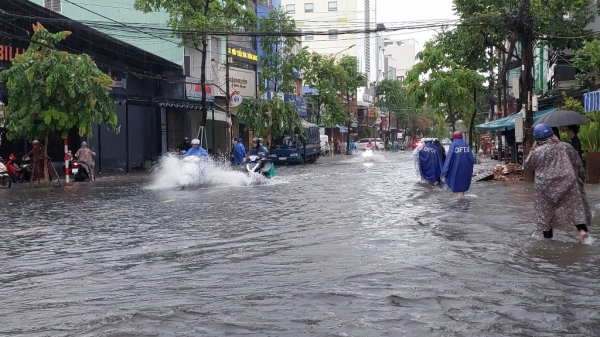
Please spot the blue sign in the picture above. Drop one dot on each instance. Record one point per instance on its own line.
(300, 103)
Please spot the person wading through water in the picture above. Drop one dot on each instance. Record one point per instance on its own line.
(559, 191)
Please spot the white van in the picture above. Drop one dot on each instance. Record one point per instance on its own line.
(325, 145)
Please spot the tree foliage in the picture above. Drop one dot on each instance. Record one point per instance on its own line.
(325, 76)
(269, 117)
(278, 59)
(447, 85)
(193, 20)
(587, 59)
(52, 90)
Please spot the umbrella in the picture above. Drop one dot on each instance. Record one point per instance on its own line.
(562, 118)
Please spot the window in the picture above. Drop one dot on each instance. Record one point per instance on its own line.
(291, 9)
(401, 78)
(53, 5)
(333, 6)
(309, 8)
(333, 34)
(309, 36)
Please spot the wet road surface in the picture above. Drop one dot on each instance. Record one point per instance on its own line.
(341, 248)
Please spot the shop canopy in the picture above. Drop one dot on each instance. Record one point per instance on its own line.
(508, 123)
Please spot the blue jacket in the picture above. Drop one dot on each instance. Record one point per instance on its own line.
(238, 154)
(352, 145)
(458, 168)
(430, 163)
(199, 152)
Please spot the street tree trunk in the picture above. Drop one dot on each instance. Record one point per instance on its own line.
(203, 82)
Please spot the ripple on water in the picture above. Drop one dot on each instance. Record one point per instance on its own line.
(337, 249)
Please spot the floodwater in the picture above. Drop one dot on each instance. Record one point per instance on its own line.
(341, 248)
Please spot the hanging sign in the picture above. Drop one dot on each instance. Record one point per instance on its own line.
(235, 100)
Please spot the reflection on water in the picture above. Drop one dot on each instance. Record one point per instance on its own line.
(340, 249)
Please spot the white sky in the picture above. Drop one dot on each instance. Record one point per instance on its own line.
(394, 11)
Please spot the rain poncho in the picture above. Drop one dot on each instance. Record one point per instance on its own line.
(238, 154)
(416, 158)
(430, 163)
(458, 168)
(199, 152)
(84, 155)
(559, 193)
(272, 169)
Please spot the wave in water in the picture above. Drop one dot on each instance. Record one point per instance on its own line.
(175, 172)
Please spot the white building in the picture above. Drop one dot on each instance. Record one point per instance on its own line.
(329, 18)
(402, 51)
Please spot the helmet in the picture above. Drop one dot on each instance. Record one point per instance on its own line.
(35, 142)
(185, 138)
(542, 132)
(457, 135)
(83, 144)
(195, 141)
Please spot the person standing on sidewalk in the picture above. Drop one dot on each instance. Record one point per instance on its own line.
(559, 192)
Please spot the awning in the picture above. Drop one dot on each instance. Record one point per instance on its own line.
(508, 123)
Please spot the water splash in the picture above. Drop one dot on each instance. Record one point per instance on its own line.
(366, 157)
(175, 172)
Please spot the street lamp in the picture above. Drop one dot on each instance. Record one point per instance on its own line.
(336, 54)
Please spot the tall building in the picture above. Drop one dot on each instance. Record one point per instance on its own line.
(322, 22)
(403, 52)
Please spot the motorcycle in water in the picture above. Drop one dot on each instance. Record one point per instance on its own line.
(20, 173)
(5, 179)
(367, 154)
(258, 164)
(78, 169)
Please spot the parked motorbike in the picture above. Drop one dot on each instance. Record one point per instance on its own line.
(19, 173)
(258, 164)
(5, 179)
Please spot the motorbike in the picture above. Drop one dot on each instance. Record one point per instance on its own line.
(80, 171)
(5, 179)
(367, 154)
(19, 173)
(258, 164)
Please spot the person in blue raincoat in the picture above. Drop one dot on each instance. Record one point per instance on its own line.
(196, 150)
(458, 168)
(239, 152)
(430, 163)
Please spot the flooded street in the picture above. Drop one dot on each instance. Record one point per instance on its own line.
(341, 248)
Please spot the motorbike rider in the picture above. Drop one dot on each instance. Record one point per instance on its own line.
(185, 145)
(84, 155)
(196, 150)
(257, 149)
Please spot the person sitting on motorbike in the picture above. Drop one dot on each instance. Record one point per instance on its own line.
(257, 149)
(184, 146)
(196, 150)
(370, 145)
(84, 155)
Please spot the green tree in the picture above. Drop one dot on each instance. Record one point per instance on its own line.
(269, 117)
(52, 90)
(278, 59)
(193, 20)
(324, 75)
(587, 59)
(447, 83)
(391, 95)
(352, 80)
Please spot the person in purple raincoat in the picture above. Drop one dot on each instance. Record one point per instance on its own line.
(559, 176)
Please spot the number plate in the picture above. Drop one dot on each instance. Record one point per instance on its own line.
(75, 171)
(282, 158)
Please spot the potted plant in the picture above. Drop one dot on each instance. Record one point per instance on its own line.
(590, 143)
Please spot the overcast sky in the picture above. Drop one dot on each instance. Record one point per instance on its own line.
(394, 11)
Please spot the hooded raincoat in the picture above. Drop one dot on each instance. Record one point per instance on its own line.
(430, 163)
(458, 168)
(559, 192)
(238, 154)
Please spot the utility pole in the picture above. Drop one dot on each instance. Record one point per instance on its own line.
(525, 31)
